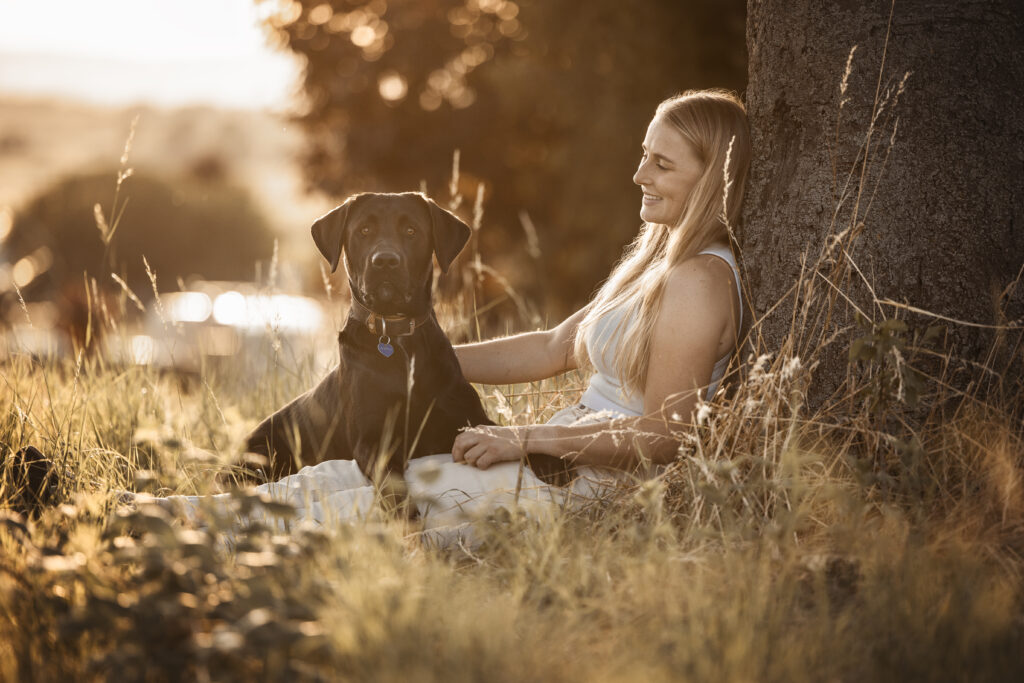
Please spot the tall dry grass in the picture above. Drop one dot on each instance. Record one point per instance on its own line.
(875, 535)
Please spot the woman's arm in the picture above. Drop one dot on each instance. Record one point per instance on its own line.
(521, 358)
(696, 308)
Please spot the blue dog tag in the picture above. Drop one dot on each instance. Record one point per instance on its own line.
(385, 347)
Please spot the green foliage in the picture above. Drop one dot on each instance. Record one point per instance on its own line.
(885, 346)
(183, 228)
(892, 392)
(548, 100)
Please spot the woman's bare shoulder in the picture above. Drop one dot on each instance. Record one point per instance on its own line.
(704, 276)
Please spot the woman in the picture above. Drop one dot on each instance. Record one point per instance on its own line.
(663, 326)
(660, 331)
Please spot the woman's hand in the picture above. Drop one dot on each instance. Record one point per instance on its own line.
(486, 445)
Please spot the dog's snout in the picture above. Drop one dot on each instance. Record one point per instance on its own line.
(385, 259)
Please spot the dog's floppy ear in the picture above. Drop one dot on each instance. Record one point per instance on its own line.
(450, 234)
(329, 231)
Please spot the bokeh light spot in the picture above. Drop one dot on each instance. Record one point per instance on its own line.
(508, 10)
(28, 268)
(23, 272)
(6, 222)
(188, 307)
(363, 36)
(430, 100)
(321, 14)
(229, 309)
(509, 27)
(392, 86)
(462, 97)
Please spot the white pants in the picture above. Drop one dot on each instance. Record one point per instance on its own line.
(448, 495)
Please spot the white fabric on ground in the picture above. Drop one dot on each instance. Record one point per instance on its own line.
(449, 495)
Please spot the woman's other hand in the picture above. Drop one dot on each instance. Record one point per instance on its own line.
(486, 445)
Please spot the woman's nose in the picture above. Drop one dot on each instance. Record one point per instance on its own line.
(640, 177)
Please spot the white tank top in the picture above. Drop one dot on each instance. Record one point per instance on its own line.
(605, 392)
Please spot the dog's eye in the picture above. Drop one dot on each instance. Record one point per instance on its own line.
(364, 230)
(410, 231)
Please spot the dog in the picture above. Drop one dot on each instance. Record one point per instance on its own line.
(398, 391)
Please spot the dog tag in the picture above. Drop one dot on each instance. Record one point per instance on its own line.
(385, 347)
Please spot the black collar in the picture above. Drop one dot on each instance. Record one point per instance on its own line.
(386, 325)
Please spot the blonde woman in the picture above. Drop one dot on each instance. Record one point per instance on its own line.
(662, 329)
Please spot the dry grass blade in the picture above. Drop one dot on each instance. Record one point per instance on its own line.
(156, 292)
(128, 292)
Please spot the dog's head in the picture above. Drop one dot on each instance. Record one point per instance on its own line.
(387, 241)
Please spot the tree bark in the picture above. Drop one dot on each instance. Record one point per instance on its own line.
(944, 226)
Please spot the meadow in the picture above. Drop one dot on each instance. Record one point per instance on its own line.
(874, 534)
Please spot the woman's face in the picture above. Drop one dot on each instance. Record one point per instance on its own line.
(669, 168)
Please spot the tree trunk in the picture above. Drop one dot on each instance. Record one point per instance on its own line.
(943, 229)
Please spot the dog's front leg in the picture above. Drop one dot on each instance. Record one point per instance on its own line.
(271, 442)
(287, 440)
(306, 431)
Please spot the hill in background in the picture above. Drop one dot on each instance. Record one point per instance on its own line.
(43, 140)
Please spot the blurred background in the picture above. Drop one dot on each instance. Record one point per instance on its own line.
(185, 147)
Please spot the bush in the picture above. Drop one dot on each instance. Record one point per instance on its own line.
(183, 228)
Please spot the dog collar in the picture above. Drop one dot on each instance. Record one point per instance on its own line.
(386, 325)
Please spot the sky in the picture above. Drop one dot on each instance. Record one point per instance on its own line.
(162, 52)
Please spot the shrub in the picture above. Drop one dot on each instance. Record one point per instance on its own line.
(183, 227)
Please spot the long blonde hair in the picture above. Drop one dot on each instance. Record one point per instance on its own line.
(714, 122)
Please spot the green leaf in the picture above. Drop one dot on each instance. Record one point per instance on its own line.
(894, 325)
(933, 332)
(855, 349)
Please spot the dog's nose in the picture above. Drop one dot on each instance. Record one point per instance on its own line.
(385, 259)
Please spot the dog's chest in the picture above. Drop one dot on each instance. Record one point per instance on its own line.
(410, 376)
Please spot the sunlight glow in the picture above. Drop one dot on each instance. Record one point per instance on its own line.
(280, 311)
(123, 51)
(142, 348)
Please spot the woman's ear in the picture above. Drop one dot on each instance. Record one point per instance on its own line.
(330, 229)
(449, 232)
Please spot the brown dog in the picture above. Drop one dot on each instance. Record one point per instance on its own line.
(367, 409)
